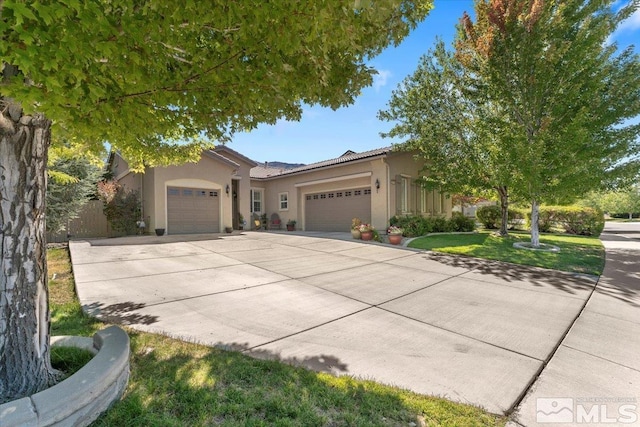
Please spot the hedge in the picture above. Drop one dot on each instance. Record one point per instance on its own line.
(573, 219)
(416, 225)
(491, 217)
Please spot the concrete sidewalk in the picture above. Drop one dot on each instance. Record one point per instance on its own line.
(595, 374)
(473, 331)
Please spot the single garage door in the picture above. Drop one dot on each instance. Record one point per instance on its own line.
(334, 210)
(192, 210)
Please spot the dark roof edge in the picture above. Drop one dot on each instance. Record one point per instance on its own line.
(221, 158)
(338, 161)
(222, 147)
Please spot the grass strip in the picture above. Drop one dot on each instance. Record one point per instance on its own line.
(578, 254)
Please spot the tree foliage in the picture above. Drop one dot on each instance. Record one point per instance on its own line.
(563, 93)
(539, 101)
(149, 75)
(72, 182)
(616, 202)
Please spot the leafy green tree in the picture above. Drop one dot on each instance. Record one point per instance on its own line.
(562, 94)
(436, 113)
(623, 201)
(158, 80)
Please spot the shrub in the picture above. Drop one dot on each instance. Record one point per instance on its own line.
(489, 216)
(459, 222)
(121, 207)
(416, 225)
(572, 219)
(516, 218)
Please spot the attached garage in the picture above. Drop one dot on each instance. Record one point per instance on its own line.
(192, 210)
(334, 210)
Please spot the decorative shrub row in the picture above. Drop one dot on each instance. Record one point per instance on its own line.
(491, 217)
(415, 225)
(572, 219)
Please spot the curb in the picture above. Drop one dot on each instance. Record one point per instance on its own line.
(81, 398)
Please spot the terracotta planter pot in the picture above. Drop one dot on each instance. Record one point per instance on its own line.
(366, 235)
(355, 234)
(395, 239)
(291, 227)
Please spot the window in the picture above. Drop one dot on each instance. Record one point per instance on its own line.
(256, 200)
(424, 200)
(284, 201)
(405, 188)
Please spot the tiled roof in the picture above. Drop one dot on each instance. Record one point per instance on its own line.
(261, 171)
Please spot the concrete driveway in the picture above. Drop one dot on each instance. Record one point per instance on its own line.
(472, 331)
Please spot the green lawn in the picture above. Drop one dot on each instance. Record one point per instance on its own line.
(577, 253)
(174, 383)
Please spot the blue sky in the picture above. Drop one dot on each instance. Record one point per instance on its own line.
(323, 133)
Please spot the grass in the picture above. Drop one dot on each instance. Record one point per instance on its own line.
(578, 254)
(175, 383)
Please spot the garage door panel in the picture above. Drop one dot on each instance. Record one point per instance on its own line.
(334, 210)
(192, 210)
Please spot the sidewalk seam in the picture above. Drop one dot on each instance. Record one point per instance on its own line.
(544, 364)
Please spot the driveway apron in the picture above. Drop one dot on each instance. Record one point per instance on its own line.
(473, 331)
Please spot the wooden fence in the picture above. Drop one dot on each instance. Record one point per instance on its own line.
(90, 223)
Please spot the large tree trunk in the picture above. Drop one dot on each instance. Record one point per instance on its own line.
(535, 232)
(25, 366)
(504, 210)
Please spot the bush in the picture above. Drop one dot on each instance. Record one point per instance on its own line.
(122, 208)
(459, 222)
(416, 225)
(489, 216)
(516, 218)
(572, 219)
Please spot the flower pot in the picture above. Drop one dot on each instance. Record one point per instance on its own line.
(291, 227)
(159, 231)
(355, 234)
(366, 235)
(228, 229)
(395, 239)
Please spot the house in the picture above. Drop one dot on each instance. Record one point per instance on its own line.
(211, 194)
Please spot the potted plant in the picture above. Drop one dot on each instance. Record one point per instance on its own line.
(355, 228)
(291, 225)
(394, 235)
(366, 231)
(240, 222)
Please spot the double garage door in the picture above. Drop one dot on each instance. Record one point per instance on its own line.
(334, 210)
(192, 210)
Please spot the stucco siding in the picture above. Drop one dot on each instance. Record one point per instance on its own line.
(206, 174)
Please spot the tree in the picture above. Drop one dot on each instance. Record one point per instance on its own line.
(621, 201)
(563, 94)
(158, 80)
(72, 182)
(436, 112)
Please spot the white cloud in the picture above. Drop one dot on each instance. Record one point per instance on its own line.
(629, 25)
(380, 79)
(632, 23)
